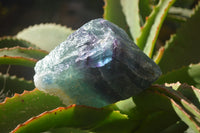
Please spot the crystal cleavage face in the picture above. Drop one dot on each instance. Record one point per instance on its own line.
(97, 65)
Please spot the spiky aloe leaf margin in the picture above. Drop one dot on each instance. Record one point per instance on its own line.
(23, 52)
(98, 120)
(21, 107)
(183, 47)
(11, 84)
(46, 36)
(149, 33)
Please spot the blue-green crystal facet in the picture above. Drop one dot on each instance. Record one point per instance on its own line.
(97, 65)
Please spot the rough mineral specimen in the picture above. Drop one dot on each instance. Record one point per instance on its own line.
(97, 65)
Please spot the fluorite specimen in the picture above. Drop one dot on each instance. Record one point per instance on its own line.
(97, 65)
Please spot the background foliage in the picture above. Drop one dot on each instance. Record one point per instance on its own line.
(171, 104)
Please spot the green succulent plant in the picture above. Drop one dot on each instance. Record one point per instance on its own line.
(170, 105)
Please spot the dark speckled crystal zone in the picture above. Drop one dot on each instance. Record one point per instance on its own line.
(97, 65)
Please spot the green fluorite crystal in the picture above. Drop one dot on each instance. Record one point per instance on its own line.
(97, 65)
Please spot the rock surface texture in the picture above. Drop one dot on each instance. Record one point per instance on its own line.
(97, 65)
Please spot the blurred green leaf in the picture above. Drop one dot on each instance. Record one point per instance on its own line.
(192, 109)
(177, 127)
(190, 98)
(144, 9)
(18, 70)
(183, 48)
(155, 122)
(45, 36)
(147, 39)
(189, 75)
(113, 12)
(185, 3)
(131, 11)
(146, 108)
(190, 92)
(187, 118)
(182, 106)
(9, 42)
(180, 12)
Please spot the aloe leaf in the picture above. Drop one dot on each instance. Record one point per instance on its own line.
(155, 122)
(147, 39)
(18, 70)
(159, 55)
(78, 117)
(187, 118)
(190, 92)
(177, 127)
(144, 9)
(182, 112)
(45, 36)
(177, 15)
(23, 52)
(175, 21)
(192, 109)
(21, 107)
(145, 105)
(189, 130)
(152, 101)
(127, 107)
(11, 84)
(141, 104)
(115, 122)
(176, 95)
(189, 74)
(131, 11)
(185, 105)
(67, 130)
(17, 61)
(113, 13)
(157, 111)
(8, 42)
(187, 38)
(175, 18)
(180, 12)
(185, 3)
(20, 60)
